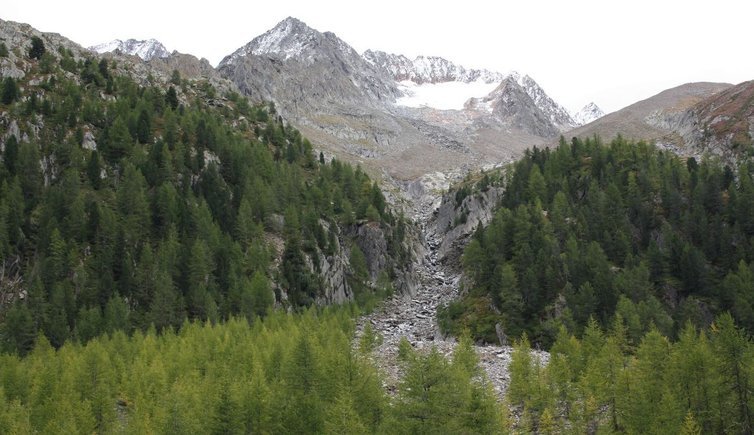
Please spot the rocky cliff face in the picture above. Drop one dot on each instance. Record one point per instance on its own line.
(455, 222)
(336, 269)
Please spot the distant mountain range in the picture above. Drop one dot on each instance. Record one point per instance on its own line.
(391, 113)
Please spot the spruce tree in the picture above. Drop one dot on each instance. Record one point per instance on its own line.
(10, 90)
(37, 48)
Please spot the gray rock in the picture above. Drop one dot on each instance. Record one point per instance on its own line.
(88, 142)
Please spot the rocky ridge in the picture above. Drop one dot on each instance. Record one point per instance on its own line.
(146, 49)
(427, 69)
(680, 119)
(434, 69)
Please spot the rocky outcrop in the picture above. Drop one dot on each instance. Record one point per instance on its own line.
(456, 222)
(187, 65)
(721, 125)
(371, 238)
(17, 37)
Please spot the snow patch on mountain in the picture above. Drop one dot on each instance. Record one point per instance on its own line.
(588, 113)
(145, 49)
(443, 95)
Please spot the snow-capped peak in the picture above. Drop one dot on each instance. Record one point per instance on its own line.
(145, 49)
(288, 39)
(588, 113)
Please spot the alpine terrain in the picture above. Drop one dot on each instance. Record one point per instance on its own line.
(145, 49)
(388, 112)
(308, 239)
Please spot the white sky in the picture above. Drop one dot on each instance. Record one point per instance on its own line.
(613, 53)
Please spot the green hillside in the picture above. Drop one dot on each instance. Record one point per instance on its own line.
(588, 230)
(125, 205)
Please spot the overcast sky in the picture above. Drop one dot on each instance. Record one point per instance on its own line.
(611, 52)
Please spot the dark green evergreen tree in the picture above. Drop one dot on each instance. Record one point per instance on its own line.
(37, 49)
(10, 90)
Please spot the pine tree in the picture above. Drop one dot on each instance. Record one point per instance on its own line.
(690, 426)
(10, 91)
(171, 98)
(734, 351)
(19, 329)
(37, 48)
(144, 127)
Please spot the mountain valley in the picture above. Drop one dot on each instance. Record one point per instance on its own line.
(309, 239)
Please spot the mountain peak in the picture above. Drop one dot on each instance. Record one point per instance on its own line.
(289, 38)
(146, 49)
(557, 114)
(588, 113)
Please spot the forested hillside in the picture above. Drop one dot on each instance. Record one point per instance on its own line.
(284, 374)
(125, 205)
(699, 383)
(588, 230)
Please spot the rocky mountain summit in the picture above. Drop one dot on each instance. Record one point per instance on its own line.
(511, 104)
(146, 49)
(588, 113)
(556, 114)
(301, 69)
